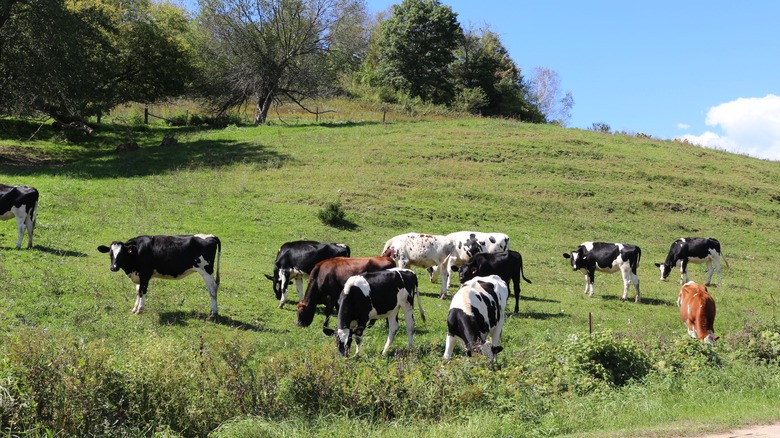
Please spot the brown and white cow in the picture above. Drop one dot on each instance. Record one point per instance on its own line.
(697, 311)
(327, 279)
(423, 250)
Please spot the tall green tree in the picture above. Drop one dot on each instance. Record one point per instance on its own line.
(72, 59)
(266, 51)
(416, 46)
(483, 63)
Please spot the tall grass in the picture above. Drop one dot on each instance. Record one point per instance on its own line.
(75, 361)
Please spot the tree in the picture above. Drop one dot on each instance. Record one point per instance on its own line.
(483, 63)
(72, 59)
(416, 47)
(267, 50)
(545, 86)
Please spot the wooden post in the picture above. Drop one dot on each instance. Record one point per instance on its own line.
(146, 115)
(187, 118)
(590, 322)
(317, 114)
(384, 114)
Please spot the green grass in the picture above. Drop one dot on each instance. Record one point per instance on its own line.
(252, 372)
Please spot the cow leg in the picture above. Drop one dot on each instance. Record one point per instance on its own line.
(20, 214)
(589, 278)
(709, 273)
(445, 279)
(626, 282)
(392, 328)
(284, 282)
(29, 222)
(299, 286)
(635, 279)
(684, 272)
(691, 330)
(516, 284)
(212, 286)
(716, 260)
(138, 308)
(433, 273)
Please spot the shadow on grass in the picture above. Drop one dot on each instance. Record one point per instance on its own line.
(59, 252)
(536, 315)
(180, 318)
(538, 300)
(644, 300)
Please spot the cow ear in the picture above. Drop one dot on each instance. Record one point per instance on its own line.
(269, 277)
(328, 331)
(103, 248)
(132, 249)
(566, 255)
(657, 265)
(497, 350)
(359, 331)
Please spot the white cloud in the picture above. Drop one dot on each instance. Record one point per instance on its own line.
(750, 126)
(683, 126)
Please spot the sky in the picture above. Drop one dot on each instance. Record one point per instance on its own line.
(706, 71)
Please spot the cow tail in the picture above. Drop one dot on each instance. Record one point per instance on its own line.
(521, 271)
(219, 254)
(724, 260)
(638, 258)
(419, 302)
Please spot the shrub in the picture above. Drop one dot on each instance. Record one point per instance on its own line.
(757, 344)
(332, 214)
(687, 356)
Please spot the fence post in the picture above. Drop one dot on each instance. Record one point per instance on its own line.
(590, 322)
(146, 115)
(317, 114)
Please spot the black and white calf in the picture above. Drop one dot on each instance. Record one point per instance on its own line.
(169, 257)
(506, 264)
(295, 260)
(371, 296)
(20, 202)
(476, 311)
(607, 257)
(692, 250)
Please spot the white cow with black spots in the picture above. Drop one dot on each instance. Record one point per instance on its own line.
(423, 250)
(477, 311)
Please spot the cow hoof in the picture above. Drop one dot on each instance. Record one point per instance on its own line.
(442, 297)
(213, 315)
(280, 305)
(637, 299)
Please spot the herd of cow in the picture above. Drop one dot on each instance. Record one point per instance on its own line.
(365, 289)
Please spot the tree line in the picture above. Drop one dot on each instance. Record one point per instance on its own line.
(69, 60)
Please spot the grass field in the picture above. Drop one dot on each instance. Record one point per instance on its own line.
(74, 360)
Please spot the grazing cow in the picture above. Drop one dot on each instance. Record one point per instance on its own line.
(20, 202)
(168, 257)
(607, 257)
(371, 296)
(506, 264)
(697, 311)
(692, 250)
(326, 281)
(295, 260)
(467, 245)
(476, 311)
(423, 250)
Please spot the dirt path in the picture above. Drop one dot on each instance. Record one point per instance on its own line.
(768, 431)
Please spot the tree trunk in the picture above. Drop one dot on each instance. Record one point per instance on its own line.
(261, 110)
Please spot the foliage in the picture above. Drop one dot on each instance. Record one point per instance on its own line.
(758, 343)
(71, 60)
(264, 51)
(546, 94)
(416, 45)
(601, 127)
(332, 214)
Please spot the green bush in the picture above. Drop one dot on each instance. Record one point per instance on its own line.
(332, 215)
(686, 357)
(757, 343)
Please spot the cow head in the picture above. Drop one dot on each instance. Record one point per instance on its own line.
(466, 272)
(122, 255)
(344, 338)
(277, 283)
(666, 269)
(578, 258)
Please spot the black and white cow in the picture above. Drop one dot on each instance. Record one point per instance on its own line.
(20, 202)
(423, 250)
(371, 296)
(692, 250)
(295, 260)
(467, 245)
(607, 257)
(476, 311)
(506, 264)
(169, 257)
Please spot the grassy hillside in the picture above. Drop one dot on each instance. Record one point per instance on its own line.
(71, 353)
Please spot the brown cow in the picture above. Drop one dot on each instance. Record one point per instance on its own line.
(697, 310)
(327, 280)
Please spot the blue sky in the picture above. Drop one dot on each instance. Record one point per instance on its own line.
(708, 71)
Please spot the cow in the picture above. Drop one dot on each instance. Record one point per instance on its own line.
(692, 250)
(607, 257)
(168, 257)
(423, 250)
(697, 311)
(372, 296)
(467, 245)
(506, 264)
(327, 279)
(476, 311)
(20, 202)
(295, 260)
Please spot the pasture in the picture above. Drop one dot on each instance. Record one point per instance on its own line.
(74, 360)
